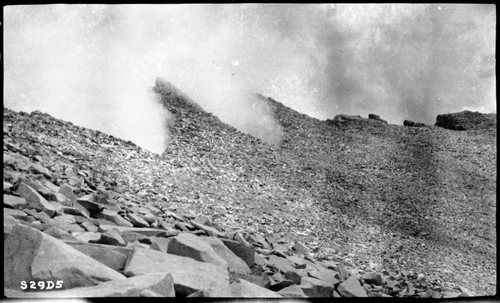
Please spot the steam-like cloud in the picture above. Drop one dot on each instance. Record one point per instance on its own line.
(94, 64)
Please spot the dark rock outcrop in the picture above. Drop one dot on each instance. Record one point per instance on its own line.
(466, 120)
(356, 121)
(411, 123)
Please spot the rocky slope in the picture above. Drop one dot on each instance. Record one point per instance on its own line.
(337, 209)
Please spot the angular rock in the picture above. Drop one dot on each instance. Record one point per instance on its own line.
(65, 226)
(292, 291)
(151, 219)
(76, 211)
(89, 226)
(69, 219)
(189, 245)
(149, 232)
(271, 240)
(258, 240)
(325, 275)
(113, 257)
(242, 249)
(68, 193)
(88, 201)
(41, 216)
(88, 237)
(134, 244)
(50, 185)
(34, 199)
(451, 294)
(8, 223)
(209, 230)
(130, 236)
(276, 286)
(244, 289)
(343, 272)
(262, 281)
(235, 263)
(202, 220)
(314, 288)
(301, 263)
(351, 288)
(31, 255)
(189, 275)
(185, 227)
(113, 237)
(280, 263)
(58, 233)
(160, 244)
(301, 248)
(372, 278)
(113, 216)
(137, 221)
(294, 276)
(18, 214)
(14, 201)
(7, 186)
(101, 221)
(58, 208)
(152, 285)
(466, 292)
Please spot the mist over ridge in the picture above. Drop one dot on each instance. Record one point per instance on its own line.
(94, 65)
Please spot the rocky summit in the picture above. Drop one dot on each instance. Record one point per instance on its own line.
(349, 207)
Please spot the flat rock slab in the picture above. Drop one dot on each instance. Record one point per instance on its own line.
(189, 275)
(33, 255)
(16, 213)
(153, 285)
(112, 256)
(137, 220)
(14, 201)
(149, 232)
(113, 216)
(244, 289)
(189, 245)
(34, 199)
(208, 229)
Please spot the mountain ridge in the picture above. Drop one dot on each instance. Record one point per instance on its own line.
(334, 188)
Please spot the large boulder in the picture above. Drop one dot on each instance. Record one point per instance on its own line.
(189, 245)
(189, 275)
(466, 120)
(351, 288)
(31, 255)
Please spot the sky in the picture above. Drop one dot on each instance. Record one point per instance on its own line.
(94, 65)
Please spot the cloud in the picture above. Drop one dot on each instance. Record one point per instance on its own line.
(94, 64)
